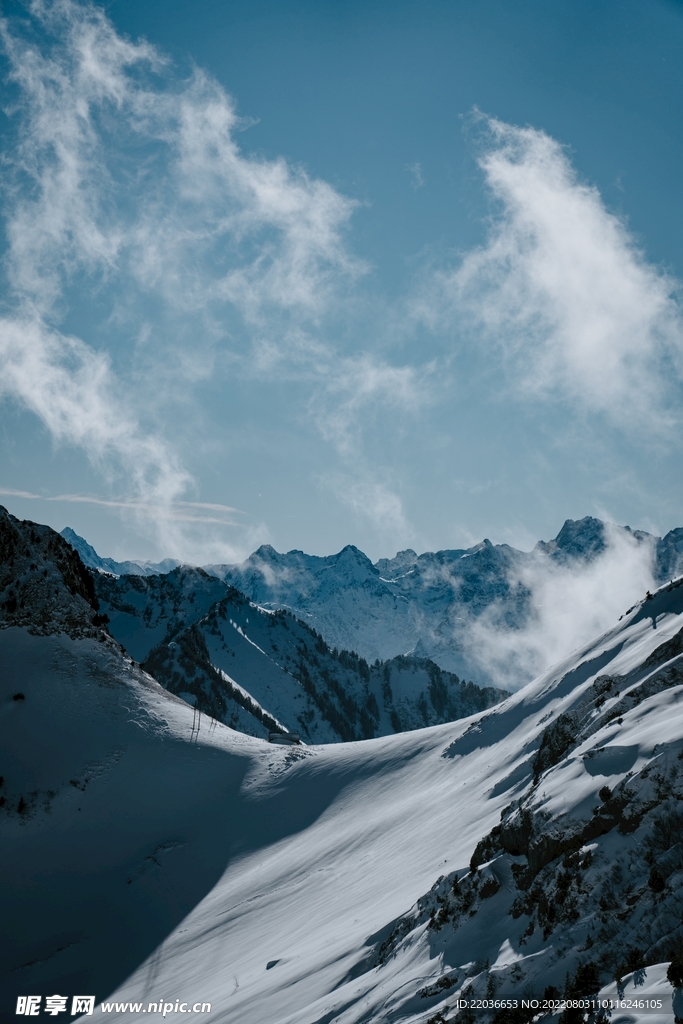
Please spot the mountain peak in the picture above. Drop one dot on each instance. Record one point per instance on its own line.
(578, 538)
(44, 585)
(352, 560)
(266, 551)
(401, 563)
(350, 550)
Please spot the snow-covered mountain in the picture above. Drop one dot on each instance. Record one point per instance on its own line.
(429, 605)
(90, 558)
(531, 848)
(259, 671)
(585, 865)
(489, 613)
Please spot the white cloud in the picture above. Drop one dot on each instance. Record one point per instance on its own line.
(70, 388)
(131, 169)
(562, 291)
(351, 394)
(59, 220)
(570, 605)
(127, 181)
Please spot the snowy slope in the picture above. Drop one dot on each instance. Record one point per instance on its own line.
(277, 884)
(584, 871)
(133, 821)
(259, 671)
(311, 928)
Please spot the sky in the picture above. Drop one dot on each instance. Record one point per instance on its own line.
(324, 273)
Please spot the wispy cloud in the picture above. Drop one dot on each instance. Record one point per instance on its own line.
(84, 499)
(373, 502)
(350, 394)
(134, 169)
(13, 492)
(72, 389)
(562, 291)
(351, 389)
(127, 180)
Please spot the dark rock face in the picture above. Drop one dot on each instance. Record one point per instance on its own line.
(578, 539)
(43, 582)
(669, 556)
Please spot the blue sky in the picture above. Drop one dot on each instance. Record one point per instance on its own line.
(390, 274)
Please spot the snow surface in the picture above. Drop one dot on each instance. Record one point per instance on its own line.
(155, 863)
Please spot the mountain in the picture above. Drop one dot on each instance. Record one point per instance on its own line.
(429, 605)
(147, 858)
(90, 558)
(379, 610)
(44, 586)
(144, 610)
(261, 671)
(481, 613)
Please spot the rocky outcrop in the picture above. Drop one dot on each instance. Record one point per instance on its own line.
(44, 585)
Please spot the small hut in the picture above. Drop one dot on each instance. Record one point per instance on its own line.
(287, 739)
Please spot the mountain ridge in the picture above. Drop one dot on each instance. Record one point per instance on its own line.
(446, 606)
(91, 558)
(258, 670)
(427, 604)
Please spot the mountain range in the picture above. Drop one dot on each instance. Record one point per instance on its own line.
(531, 851)
(261, 671)
(433, 605)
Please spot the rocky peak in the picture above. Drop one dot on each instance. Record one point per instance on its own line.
(578, 539)
(266, 552)
(43, 582)
(403, 562)
(669, 555)
(354, 565)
